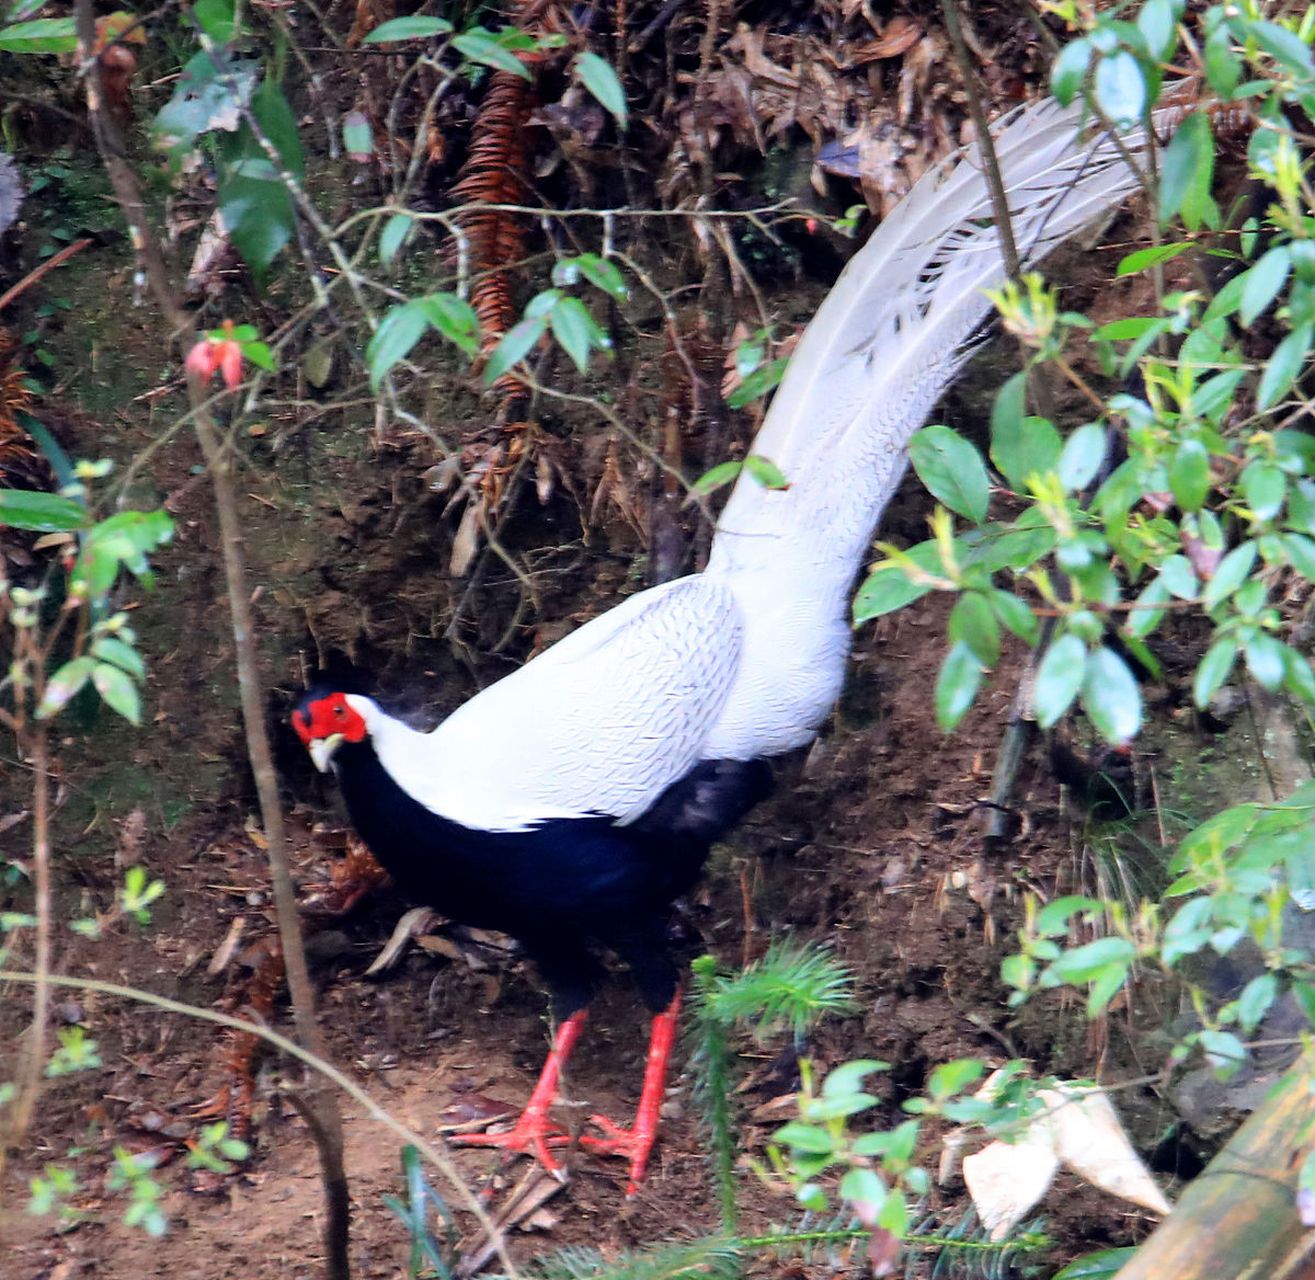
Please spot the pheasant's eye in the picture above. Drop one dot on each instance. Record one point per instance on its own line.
(339, 711)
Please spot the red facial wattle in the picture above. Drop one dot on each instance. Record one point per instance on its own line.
(328, 717)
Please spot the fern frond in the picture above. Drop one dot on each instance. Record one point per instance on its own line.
(711, 1257)
(792, 986)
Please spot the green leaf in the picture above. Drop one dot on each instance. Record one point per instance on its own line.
(254, 202)
(1140, 259)
(863, 1186)
(1158, 24)
(973, 623)
(1264, 486)
(757, 384)
(765, 472)
(849, 1076)
(1179, 577)
(1143, 620)
(603, 275)
(42, 35)
(1070, 70)
(805, 1137)
(1265, 660)
(64, 685)
(1059, 678)
(885, 589)
(1104, 987)
(118, 691)
(1298, 678)
(392, 341)
(259, 354)
(1129, 328)
(1102, 1265)
(954, 1077)
(1232, 573)
(1018, 971)
(393, 236)
(1007, 414)
(515, 345)
(1255, 999)
(1263, 282)
(956, 686)
(1033, 451)
(217, 19)
(1188, 171)
(1083, 963)
(1223, 1050)
(416, 27)
(1189, 475)
(577, 331)
(482, 46)
(19, 9)
(1283, 366)
(124, 656)
(1111, 696)
(952, 470)
(1015, 614)
(454, 319)
(1120, 87)
(357, 136)
(722, 473)
(279, 125)
(40, 512)
(1214, 670)
(1053, 919)
(597, 75)
(1282, 45)
(1082, 455)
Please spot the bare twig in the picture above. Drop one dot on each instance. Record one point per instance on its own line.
(328, 1130)
(34, 1051)
(36, 273)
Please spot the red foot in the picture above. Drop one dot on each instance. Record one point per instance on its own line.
(637, 1143)
(534, 1132)
(532, 1135)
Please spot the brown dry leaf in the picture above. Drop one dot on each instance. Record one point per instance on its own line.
(467, 541)
(473, 1110)
(900, 34)
(409, 926)
(60, 539)
(227, 949)
(211, 256)
(132, 831)
(612, 488)
(883, 1251)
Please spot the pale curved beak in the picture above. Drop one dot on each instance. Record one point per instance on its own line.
(322, 749)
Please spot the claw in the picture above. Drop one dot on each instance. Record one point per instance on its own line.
(534, 1133)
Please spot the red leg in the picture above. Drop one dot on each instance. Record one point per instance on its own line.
(534, 1129)
(637, 1142)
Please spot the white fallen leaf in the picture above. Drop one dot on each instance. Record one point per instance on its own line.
(1090, 1140)
(1079, 1129)
(1005, 1179)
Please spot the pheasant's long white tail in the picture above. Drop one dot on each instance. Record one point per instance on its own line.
(881, 350)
